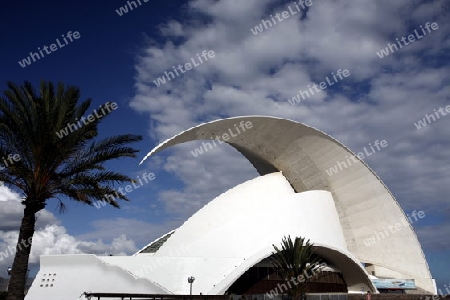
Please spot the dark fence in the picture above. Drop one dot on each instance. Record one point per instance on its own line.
(99, 296)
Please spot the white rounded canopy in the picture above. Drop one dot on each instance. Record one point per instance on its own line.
(365, 206)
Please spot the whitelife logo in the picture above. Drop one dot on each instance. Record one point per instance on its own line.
(224, 136)
(439, 296)
(341, 164)
(11, 158)
(378, 236)
(411, 38)
(273, 293)
(323, 85)
(124, 9)
(187, 66)
(281, 16)
(128, 189)
(53, 47)
(163, 260)
(423, 122)
(90, 118)
(12, 249)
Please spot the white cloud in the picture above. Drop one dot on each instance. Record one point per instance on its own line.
(256, 75)
(50, 238)
(7, 194)
(172, 28)
(380, 100)
(11, 211)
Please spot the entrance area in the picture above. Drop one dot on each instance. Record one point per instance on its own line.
(261, 279)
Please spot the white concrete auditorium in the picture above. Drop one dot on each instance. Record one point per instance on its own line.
(227, 244)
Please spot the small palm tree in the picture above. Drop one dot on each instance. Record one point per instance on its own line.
(296, 264)
(45, 165)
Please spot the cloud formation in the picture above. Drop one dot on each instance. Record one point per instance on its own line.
(50, 238)
(256, 75)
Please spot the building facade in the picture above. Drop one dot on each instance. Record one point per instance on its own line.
(226, 245)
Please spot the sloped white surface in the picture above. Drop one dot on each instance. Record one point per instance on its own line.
(63, 277)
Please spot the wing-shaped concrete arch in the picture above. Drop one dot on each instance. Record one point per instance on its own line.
(365, 206)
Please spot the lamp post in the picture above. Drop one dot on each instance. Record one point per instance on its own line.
(9, 274)
(191, 280)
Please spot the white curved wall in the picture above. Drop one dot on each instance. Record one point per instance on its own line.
(242, 222)
(264, 207)
(64, 277)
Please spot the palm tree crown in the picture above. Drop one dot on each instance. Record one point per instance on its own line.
(41, 163)
(295, 263)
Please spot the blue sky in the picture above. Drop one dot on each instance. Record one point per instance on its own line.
(117, 58)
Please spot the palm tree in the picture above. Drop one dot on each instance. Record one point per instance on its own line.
(295, 263)
(43, 165)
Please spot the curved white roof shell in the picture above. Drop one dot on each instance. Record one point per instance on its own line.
(365, 206)
(237, 230)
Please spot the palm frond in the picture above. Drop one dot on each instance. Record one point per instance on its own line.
(71, 166)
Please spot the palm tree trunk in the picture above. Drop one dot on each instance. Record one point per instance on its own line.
(16, 287)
